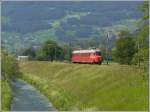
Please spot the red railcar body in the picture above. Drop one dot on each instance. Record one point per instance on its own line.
(87, 56)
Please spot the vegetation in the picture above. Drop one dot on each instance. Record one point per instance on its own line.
(78, 86)
(31, 25)
(29, 52)
(142, 55)
(6, 97)
(135, 48)
(125, 48)
(10, 68)
(9, 71)
(48, 52)
(86, 13)
(89, 87)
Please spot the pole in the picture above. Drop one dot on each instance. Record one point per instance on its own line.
(55, 53)
(49, 57)
(138, 52)
(107, 43)
(138, 48)
(69, 52)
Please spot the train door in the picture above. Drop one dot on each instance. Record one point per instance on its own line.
(92, 55)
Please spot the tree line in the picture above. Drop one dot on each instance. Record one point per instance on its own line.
(134, 48)
(49, 51)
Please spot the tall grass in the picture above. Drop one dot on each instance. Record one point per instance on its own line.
(6, 95)
(89, 87)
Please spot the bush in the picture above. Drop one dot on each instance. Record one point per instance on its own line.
(10, 68)
(125, 48)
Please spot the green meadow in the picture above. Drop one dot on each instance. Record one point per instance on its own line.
(89, 87)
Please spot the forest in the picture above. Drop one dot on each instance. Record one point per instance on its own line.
(78, 23)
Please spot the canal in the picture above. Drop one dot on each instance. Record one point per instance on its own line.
(28, 98)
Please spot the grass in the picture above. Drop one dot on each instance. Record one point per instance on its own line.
(6, 95)
(89, 87)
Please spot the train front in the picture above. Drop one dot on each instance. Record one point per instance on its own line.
(98, 57)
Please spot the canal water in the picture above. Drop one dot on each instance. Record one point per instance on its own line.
(27, 98)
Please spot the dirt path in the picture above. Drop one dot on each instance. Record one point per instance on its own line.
(27, 98)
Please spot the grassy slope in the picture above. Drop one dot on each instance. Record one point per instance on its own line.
(90, 87)
(6, 95)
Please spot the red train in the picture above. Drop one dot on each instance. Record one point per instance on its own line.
(87, 56)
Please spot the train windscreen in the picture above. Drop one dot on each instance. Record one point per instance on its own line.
(98, 53)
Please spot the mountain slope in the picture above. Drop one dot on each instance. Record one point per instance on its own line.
(36, 22)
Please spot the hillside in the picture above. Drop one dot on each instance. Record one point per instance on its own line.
(31, 23)
(89, 87)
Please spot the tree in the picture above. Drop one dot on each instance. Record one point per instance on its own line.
(30, 52)
(145, 9)
(125, 48)
(66, 52)
(59, 53)
(142, 54)
(40, 55)
(51, 50)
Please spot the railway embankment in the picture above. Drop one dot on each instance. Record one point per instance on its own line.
(89, 87)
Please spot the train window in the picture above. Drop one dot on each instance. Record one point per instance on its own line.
(84, 54)
(88, 54)
(98, 53)
(81, 54)
(76, 54)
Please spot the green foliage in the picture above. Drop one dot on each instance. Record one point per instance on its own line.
(89, 87)
(67, 52)
(6, 95)
(64, 24)
(40, 55)
(10, 68)
(145, 9)
(60, 98)
(9, 71)
(125, 48)
(49, 49)
(142, 55)
(143, 36)
(29, 52)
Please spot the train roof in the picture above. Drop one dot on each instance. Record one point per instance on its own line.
(86, 51)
